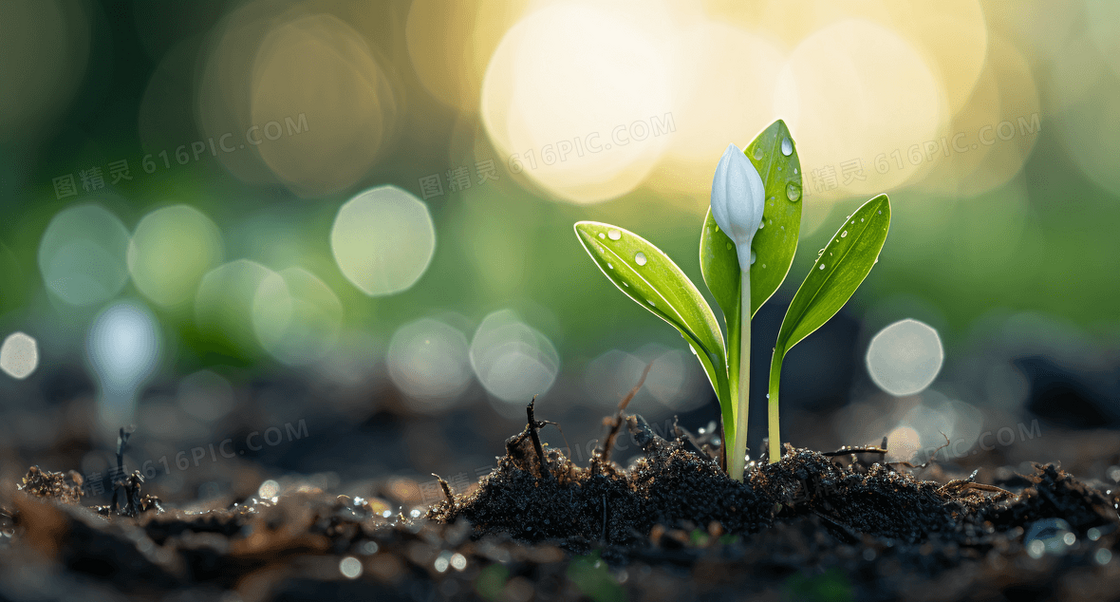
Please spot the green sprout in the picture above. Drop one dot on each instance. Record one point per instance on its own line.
(649, 277)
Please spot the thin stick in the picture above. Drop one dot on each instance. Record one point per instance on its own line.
(533, 426)
(737, 459)
(608, 444)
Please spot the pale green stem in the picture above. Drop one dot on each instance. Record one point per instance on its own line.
(737, 460)
(775, 431)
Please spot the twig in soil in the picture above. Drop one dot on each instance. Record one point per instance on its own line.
(122, 442)
(868, 449)
(616, 422)
(958, 486)
(533, 426)
(697, 442)
(446, 489)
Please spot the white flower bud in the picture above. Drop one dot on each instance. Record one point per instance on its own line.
(737, 201)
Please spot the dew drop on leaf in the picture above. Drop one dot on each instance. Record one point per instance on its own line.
(614, 234)
(729, 246)
(787, 147)
(844, 234)
(758, 153)
(601, 235)
(793, 191)
(609, 266)
(640, 258)
(822, 266)
(754, 256)
(651, 302)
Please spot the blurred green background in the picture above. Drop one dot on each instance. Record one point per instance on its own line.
(378, 197)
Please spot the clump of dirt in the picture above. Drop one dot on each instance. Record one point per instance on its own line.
(536, 494)
(53, 485)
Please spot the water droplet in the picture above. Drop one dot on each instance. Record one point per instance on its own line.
(793, 191)
(770, 199)
(626, 285)
(822, 266)
(844, 234)
(730, 246)
(614, 234)
(754, 256)
(651, 302)
(787, 147)
(853, 222)
(762, 224)
(880, 212)
(609, 266)
(640, 258)
(758, 153)
(779, 168)
(795, 171)
(1049, 536)
(764, 266)
(861, 219)
(782, 227)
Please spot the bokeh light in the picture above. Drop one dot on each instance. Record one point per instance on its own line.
(450, 44)
(319, 143)
(123, 349)
(383, 240)
(725, 94)
(224, 303)
(856, 90)
(296, 316)
(19, 355)
(1088, 120)
(672, 382)
(512, 360)
(43, 55)
(905, 357)
(428, 361)
(206, 395)
(82, 255)
(592, 124)
(170, 250)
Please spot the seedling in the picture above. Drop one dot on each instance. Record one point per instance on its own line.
(758, 202)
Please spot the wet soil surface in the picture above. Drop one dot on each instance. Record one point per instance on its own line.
(840, 526)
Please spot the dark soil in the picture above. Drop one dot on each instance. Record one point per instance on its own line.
(842, 526)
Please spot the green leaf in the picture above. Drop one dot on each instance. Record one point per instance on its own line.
(837, 273)
(774, 244)
(647, 275)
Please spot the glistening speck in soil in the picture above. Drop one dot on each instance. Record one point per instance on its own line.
(671, 526)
